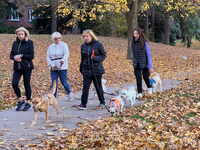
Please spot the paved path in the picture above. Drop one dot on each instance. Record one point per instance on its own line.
(16, 127)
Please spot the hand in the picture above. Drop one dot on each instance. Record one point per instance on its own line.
(92, 57)
(55, 68)
(18, 58)
(151, 70)
(62, 62)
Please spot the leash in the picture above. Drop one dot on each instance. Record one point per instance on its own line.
(96, 77)
(54, 78)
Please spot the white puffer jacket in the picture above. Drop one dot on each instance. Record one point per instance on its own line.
(56, 53)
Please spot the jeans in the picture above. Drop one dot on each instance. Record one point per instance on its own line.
(63, 78)
(26, 78)
(86, 86)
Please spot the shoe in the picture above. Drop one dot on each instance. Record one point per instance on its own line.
(19, 105)
(149, 91)
(80, 107)
(102, 105)
(27, 107)
(70, 97)
(139, 95)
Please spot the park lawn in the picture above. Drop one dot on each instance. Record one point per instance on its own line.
(167, 120)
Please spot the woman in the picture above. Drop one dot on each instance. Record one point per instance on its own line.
(141, 60)
(91, 67)
(57, 58)
(22, 53)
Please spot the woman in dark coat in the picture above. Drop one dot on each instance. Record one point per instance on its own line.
(22, 53)
(91, 67)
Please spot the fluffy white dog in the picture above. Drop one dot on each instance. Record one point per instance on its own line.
(155, 81)
(103, 83)
(129, 95)
(116, 105)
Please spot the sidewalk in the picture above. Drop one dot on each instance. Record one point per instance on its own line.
(16, 127)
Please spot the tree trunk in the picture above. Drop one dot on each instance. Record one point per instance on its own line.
(132, 22)
(153, 23)
(166, 33)
(146, 26)
(75, 27)
(53, 16)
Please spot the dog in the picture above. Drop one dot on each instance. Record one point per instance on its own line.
(116, 105)
(155, 81)
(129, 95)
(103, 83)
(43, 102)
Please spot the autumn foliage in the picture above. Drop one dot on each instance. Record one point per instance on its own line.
(168, 120)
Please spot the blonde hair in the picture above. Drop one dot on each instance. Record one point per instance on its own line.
(54, 35)
(27, 35)
(91, 33)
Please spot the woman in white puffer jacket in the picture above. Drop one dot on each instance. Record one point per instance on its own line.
(57, 58)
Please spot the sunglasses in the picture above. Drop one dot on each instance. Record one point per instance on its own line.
(85, 31)
(56, 38)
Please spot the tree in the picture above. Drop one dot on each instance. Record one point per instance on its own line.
(52, 4)
(81, 9)
(5, 9)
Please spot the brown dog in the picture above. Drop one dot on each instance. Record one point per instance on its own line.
(42, 103)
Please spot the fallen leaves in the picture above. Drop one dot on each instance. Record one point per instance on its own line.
(168, 120)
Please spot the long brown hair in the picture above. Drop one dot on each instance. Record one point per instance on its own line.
(142, 39)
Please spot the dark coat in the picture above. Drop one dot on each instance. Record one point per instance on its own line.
(139, 56)
(27, 49)
(88, 66)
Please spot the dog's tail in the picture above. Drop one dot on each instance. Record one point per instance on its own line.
(54, 86)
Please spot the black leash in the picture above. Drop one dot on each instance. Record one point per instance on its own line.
(97, 83)
(54, 79)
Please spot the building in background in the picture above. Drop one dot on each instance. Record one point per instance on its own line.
(21, 17)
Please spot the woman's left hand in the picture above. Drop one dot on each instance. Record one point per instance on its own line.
(151, 70)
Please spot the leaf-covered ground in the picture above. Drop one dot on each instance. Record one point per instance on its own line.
(169, 120)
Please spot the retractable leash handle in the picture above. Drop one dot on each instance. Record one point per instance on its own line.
(93, 53)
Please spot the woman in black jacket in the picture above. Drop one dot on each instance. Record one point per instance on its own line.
(91, 67)
(22, 53)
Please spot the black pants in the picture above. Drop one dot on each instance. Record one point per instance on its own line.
(138, 75)
(26, 78)
(86, 85)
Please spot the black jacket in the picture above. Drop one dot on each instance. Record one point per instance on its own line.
(27, 49)
(139, 56)
(88, 66)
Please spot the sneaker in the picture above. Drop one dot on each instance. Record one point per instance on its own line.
(139, 95)
(70, 97)
(102, 105)
(149, 91)
(27, 107)
(80, 107)
(19, 105)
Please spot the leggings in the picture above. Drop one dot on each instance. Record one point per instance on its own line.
(86, 86)
(26, 78)
(138, 75)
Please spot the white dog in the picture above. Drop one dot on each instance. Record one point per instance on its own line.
(129, 95)
(103, 83)
(155, 81)
(116, 105)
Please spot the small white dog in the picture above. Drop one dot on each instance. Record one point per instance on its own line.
(103, 83)
(116, 105)
(129, 95)
(155, 81)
